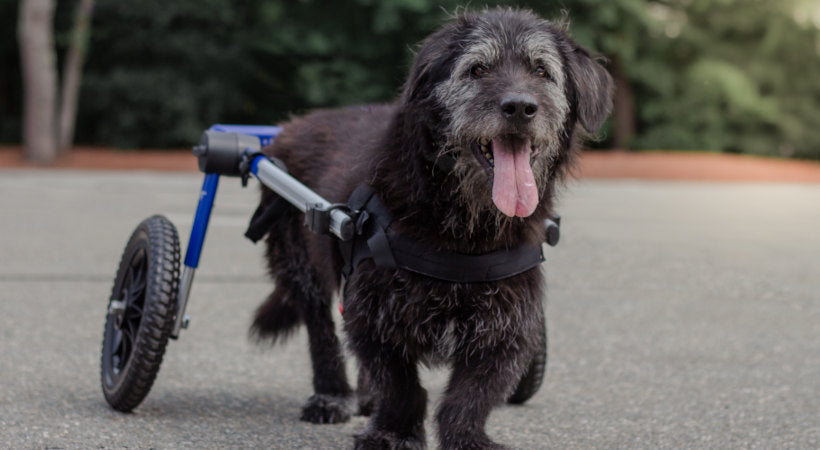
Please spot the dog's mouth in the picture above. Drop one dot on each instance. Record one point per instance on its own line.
(509, 158)
(483, 150)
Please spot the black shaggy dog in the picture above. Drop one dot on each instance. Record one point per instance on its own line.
(466, 161)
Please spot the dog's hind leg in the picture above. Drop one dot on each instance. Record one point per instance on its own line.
(300, 297)
(331, 401)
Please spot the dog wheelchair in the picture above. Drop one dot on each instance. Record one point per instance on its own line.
(153, 283)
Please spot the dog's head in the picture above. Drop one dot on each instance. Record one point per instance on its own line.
(510, 92)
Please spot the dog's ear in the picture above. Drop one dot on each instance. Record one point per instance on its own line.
(434, 61)
(593, 88)
(418, 85)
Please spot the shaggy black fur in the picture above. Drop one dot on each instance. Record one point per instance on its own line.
(457, 94)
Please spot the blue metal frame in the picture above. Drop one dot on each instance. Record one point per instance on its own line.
(207, 195)
(202, 218)
(265, 133)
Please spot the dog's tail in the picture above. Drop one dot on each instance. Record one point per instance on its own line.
(277, 318)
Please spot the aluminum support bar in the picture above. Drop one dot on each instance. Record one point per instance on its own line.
(300, 196)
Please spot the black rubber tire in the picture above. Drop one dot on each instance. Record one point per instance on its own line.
(534, 376)
(141, 313)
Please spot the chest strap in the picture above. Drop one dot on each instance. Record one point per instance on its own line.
(376, 239)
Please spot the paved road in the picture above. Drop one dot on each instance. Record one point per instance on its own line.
(682, 315)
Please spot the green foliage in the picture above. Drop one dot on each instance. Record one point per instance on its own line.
(11, 98)
(726, 75)
(158, 72)
(742, 83)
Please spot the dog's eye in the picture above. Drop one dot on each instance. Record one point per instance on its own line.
(541, 71)
(479, 70)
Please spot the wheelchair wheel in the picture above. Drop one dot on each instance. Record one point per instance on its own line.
(534, 376)
(140, 313)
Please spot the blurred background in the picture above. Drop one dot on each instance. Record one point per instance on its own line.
(739, 76)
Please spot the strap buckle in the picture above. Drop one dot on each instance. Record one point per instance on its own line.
(317, 216)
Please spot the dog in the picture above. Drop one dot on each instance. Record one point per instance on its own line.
(466, 161)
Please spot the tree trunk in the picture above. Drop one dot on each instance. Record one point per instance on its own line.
(39, 71)
(72, 73)
(624, 107)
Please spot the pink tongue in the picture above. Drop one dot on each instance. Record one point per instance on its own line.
(514, 190)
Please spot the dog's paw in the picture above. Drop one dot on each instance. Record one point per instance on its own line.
(382, 440)
(472, 443)
(323, 408)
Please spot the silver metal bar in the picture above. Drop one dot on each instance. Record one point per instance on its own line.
(302, 197)
(185, 283)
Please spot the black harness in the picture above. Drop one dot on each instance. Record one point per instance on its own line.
(376, 239)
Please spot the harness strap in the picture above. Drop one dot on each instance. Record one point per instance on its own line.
(263, 218)
(377, 240)
(265, 215)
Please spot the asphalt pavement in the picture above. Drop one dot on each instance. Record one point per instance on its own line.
(680, 314)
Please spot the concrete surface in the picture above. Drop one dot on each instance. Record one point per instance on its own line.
(681, 315)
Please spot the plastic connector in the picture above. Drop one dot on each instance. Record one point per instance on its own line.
(553, 224)
(222, 153)
(317, 218)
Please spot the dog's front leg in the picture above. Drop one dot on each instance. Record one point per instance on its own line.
(397, 421)
(476, 386)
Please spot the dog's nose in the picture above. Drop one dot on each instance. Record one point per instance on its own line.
(519, 107)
